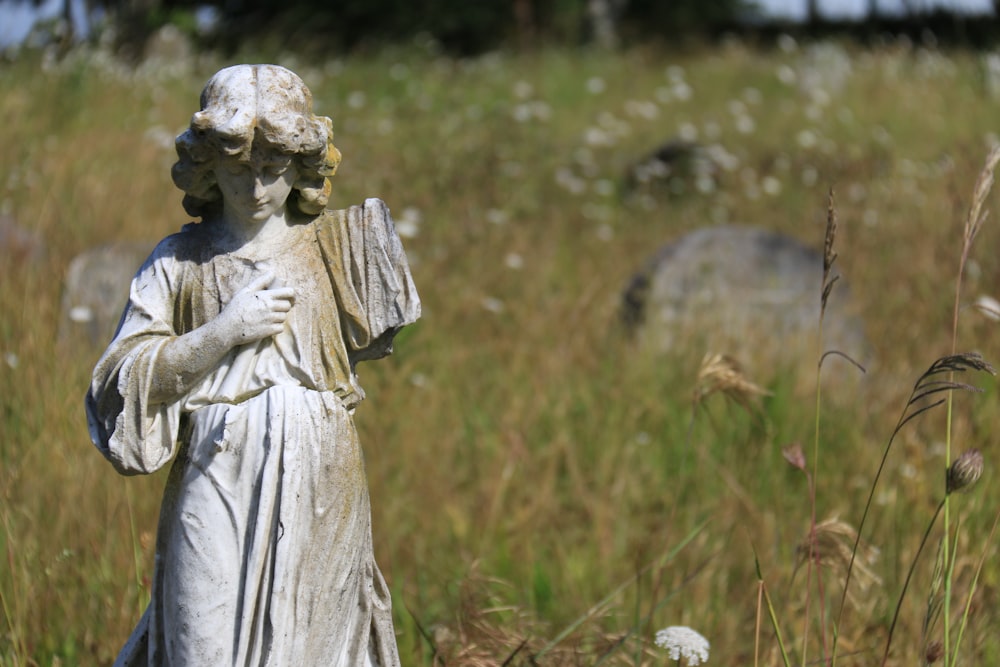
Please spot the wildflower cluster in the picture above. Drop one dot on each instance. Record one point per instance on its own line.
(683, 642)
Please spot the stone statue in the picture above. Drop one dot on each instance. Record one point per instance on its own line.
(236, 357)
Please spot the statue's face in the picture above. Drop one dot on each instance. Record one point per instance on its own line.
(255, 190)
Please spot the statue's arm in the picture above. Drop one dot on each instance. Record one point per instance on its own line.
(371, 278)
(134, 403)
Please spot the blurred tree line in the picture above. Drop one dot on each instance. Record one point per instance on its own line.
(466, 27)
(459, 26)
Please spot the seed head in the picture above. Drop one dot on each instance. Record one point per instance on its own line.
(795, 456)
(965, 471)
(722, 373)
(933, 652)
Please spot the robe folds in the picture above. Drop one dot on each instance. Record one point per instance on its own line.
(264, 550)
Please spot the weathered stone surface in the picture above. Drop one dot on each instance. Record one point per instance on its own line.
(750, 293)
(96, 290)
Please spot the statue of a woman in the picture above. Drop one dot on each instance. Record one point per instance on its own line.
(235, 357)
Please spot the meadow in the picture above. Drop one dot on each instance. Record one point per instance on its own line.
(544, 491)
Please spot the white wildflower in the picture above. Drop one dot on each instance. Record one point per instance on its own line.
(988, 306)
(541, 110)
(664, 95)
(786, 75)
(704, 184)
(161, 137)
(596, 85)
(513, 261)
(682, 91)
(595, 136)
(492, 304)
(642, 109)
(399, 71)
(683, 642)
(745, 125)
(771, 186)
(408, 224)
(605, 232)
(357, 99)
(881, 135)
(604, 187)
(522, 113)
(687, 132)
(569, 181)
(809, 176)
(806, 139)
(81, 314)
(11, 359)
(497, 216)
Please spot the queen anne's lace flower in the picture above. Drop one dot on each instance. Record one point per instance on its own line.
(683, 642)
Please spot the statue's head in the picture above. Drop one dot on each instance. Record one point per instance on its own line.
(263, 106)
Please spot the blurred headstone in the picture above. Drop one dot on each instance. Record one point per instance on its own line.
(746, 292)
(95, 292)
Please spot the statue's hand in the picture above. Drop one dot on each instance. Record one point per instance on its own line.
(257, 311)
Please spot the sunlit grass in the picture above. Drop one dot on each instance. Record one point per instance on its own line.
(524, 459)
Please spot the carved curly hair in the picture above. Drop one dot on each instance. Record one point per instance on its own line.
(248, 104)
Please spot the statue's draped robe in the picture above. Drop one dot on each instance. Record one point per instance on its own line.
(264, 550)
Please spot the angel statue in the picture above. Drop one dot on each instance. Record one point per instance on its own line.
(235, 358)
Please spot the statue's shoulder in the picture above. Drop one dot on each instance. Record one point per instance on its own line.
(372, 211)
(188, 244)
(370, 206)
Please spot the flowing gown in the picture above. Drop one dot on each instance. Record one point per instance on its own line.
(264, 549)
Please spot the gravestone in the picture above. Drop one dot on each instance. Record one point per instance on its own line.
(750, 293)
(95, 292)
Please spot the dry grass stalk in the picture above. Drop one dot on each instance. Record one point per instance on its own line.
(488, 634)
(977, 215)
(973, 223)
(829, 255)
(832, 544)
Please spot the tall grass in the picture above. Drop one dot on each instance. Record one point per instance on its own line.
(525, 459)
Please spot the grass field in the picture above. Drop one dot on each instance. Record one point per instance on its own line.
(542, 490)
